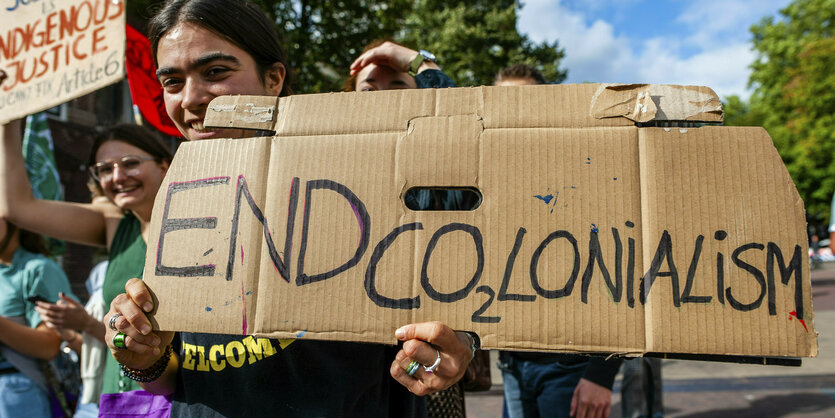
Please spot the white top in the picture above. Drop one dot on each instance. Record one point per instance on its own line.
(93, 351)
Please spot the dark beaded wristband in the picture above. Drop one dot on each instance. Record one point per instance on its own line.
(151, 373)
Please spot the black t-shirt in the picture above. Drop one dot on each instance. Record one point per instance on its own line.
(229, 375)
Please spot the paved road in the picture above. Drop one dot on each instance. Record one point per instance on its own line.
(696, 389)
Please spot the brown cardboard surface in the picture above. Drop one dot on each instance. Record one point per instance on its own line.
(593, 234)
(55, 51)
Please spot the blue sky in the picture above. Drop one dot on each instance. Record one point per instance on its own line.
(706, 42)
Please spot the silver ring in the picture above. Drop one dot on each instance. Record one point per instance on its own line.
(431, 369)
(112, 323)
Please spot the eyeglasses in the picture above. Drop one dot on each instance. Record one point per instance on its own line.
(129, 165)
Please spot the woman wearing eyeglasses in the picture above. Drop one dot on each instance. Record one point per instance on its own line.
(128, 163)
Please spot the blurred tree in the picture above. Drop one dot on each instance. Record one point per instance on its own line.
(324, 36)
(740, 113)
(472, 39)
(794, 81)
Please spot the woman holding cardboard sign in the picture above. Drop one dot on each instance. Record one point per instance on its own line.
(207, 48)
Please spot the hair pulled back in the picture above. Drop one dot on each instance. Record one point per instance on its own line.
(238, 21)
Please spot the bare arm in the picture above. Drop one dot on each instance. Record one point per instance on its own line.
(41, 342)
(81, 223)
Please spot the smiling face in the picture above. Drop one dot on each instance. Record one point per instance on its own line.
(377, 77)
(195, 66)
(135, 192)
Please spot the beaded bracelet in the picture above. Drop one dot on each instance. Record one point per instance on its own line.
(151, 373)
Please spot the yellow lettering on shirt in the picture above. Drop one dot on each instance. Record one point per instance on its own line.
(189, 350)
(254, 349)
(235, 354)
(258, 349)
(284, 342)
(202, 364)
(266, 346)
(216, 357)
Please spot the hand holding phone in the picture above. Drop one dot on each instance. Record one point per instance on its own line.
(36, 299)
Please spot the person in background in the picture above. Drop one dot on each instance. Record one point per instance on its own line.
(385, 65)
(545, 384)
(204, 49)
(26, 276)
(641, 393)
(815, 228)
(83, 331)
(82, 328)
(519, 75)
(832, 226)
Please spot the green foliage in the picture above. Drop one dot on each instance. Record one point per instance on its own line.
(323, 37)
(739, 113)
(794, 77)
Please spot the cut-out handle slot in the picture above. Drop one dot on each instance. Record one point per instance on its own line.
(442, 198)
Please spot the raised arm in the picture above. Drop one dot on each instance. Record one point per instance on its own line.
(392, 55)
(81, 223)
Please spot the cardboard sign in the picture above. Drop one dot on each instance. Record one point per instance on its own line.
(56, 50)
(595, 233)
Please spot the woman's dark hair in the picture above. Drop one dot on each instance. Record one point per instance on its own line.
(138, 136)
(351, 82)
(30, 241)
(238, 21)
